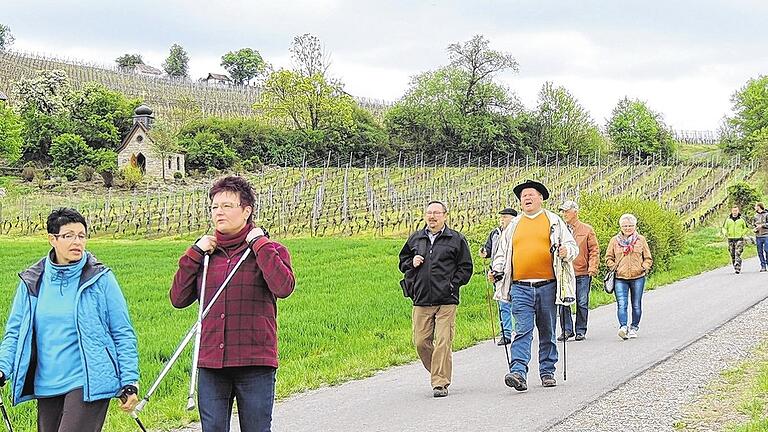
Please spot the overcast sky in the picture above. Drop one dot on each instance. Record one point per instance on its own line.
(685, 58)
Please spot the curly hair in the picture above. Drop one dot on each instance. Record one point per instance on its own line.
(236, 185)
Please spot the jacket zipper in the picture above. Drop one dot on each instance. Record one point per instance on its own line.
(87, 387)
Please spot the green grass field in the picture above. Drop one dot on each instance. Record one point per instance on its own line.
(346, 320)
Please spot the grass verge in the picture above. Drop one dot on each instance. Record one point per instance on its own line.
(736, 402)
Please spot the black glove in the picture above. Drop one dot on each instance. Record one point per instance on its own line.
(126, 391)
(497, 275)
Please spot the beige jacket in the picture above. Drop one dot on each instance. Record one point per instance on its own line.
(632, 266)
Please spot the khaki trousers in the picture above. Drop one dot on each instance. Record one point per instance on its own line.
(433, 331)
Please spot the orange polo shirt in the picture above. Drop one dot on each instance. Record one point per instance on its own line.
(531, 258)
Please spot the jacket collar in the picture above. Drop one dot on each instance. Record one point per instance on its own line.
(447, 232)
(32, 276)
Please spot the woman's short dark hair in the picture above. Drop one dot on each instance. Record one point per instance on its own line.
(237, 185)
(64, 216)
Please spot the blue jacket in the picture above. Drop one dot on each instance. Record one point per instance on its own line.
(105, 334)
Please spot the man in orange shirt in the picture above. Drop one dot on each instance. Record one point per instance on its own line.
(531, 266)
(585, 266)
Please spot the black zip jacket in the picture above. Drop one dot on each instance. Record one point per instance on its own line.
(447, 266)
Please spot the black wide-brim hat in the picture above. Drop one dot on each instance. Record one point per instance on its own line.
(531, 184)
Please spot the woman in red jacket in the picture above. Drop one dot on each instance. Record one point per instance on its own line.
(238, 348)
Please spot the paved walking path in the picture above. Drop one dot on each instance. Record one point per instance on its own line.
(400, 398)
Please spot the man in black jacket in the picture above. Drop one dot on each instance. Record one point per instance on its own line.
(436, 262)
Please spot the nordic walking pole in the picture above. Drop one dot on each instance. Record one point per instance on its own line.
(506, 351)
(501, 324)
(198, 333)
(490, 308)
(189, 336)
(565, 354)
(6, 419)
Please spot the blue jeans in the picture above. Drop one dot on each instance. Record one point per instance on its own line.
(583, 285)
(632, 288)
(254, 388)
(505, 315)
(529, 306)
(762, 250)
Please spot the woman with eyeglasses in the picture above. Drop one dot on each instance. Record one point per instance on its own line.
(238, 348)
(629, 255)
(69, 341)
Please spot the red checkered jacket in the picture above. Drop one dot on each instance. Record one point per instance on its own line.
(241, 328)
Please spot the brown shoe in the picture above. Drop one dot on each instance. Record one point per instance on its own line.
(440, 391)
(548, 381)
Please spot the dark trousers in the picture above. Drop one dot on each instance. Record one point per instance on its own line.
(583, 285)
(254, 388)
(68, 413)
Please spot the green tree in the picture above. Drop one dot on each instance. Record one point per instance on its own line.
(479, 64)
(243, 65)
(6, 37)
(745, 132)
(68, 152)
(459, 106)
(40, 129)
(164, 141)
(11, 128)
(129, 61)
(303, 103)
(636, 129)
(100, 115)
(318, 113)
(177, 63)
(46, 92)
(309, 56)
(564, 126)
(206, 150)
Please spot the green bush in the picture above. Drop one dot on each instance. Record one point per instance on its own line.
(68, 152)
(104, 160)
(743, 195)
(85, 173)
(206, 150)
(132, 176)
(662, 228)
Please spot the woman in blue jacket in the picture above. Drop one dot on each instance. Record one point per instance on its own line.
(69, 342)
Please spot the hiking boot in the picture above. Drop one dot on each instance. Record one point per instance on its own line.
(440, 391)
(623, 332)
(580, 337)
(565, 336)
(503, 341)
(516, 381)
(548, 381)
(632, 333)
